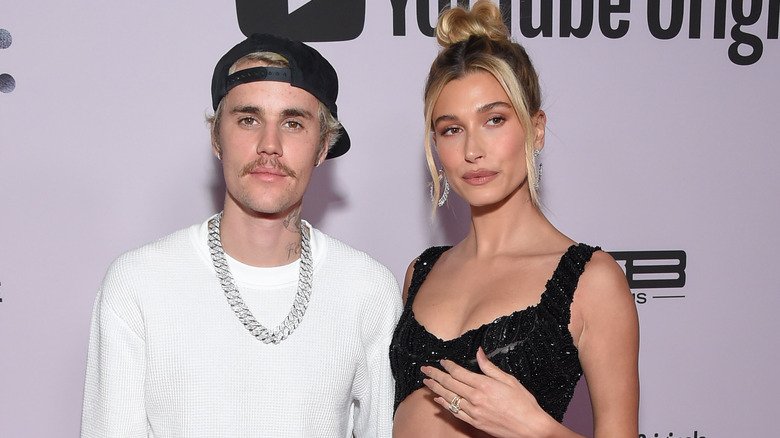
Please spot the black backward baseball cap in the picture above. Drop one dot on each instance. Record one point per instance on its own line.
(308, 70)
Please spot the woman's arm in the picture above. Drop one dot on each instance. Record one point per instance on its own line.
(608, 344)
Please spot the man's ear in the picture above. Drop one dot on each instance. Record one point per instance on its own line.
(215, 148)
(323, 153)
(539, 121)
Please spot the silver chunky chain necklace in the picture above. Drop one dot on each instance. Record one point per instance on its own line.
(283, 330)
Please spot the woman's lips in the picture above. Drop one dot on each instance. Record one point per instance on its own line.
(479, 177)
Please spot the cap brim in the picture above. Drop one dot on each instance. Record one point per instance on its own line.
(341, 147)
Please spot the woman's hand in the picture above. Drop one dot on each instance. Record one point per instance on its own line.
(495, 402)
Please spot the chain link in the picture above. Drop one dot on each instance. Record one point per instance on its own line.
(305, 282)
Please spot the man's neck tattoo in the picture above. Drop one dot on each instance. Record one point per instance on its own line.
(293, 220)
(293, 250)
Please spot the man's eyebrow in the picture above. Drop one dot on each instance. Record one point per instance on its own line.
(297, 112)
(247, 109)
(287, 112)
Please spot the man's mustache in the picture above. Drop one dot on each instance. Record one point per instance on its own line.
(267, 163)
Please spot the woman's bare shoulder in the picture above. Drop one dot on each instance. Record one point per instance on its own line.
(603, 282)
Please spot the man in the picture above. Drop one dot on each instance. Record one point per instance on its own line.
(182, 341)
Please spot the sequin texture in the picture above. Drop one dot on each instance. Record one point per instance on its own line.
(532, 344)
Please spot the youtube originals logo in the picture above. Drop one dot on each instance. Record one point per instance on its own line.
(7, 82)
(304, 20)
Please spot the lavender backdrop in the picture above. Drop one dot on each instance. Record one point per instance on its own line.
(653, 144)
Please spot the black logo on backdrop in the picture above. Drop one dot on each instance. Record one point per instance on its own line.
(341, 20)
(653, 270)
(666, 19)
(7, 82)
(313, 20)
(672, 435)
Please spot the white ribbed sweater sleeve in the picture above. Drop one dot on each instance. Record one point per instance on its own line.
(374, 386)
(114, 395)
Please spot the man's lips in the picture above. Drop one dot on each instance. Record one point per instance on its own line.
(267, 174)
(271, 171)
(479, 177)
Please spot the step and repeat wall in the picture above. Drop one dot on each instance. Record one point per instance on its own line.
(662, 147)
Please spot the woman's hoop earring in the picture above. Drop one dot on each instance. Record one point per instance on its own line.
(538, 164)
(445, 190)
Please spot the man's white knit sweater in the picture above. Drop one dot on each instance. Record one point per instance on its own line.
(169, 358)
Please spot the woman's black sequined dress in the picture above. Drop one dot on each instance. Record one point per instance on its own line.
(532, 344)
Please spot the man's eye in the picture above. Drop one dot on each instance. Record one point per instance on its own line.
(247, 121)
(292, 124)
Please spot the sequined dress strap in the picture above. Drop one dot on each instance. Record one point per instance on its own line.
(559, 291)
(422, 266)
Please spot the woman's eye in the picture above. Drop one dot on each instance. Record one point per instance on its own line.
(497, 120)
(450, 130)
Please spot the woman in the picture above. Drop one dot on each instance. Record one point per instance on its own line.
(467, 362)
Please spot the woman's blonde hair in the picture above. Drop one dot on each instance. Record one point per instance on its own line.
(478, 40)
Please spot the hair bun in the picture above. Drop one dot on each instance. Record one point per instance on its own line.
(458, 24)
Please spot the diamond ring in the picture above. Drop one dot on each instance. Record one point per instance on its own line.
(455, 405)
